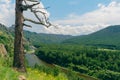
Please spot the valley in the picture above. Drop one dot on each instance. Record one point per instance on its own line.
(89, 57)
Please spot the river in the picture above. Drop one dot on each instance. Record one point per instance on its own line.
(32, 60)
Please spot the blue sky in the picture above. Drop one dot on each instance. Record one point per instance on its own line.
(62, 8)
(71, 17)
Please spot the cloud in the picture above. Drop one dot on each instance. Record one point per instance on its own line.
(39, 7)
(73, 24)
(7, 12)
(103, 15)
(74, 30)
(94, 20)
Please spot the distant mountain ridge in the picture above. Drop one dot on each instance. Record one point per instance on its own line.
(3, 28)
(107, 37)
(41, 38)
(38, 38)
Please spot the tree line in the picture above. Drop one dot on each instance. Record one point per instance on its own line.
(100, 63)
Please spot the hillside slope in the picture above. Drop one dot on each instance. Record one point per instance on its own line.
(8, 73)
(108, 37)
(6, 38)
(41, 38)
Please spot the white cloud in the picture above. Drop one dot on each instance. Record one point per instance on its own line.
(74, 30)
(87, 23)
(6, 12)
(73, 24)
(30, 15)
(5, 1)
(39, 7)
(104, 15)
(101, 5)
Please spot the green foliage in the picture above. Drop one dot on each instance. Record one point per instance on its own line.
(87, 60)
(6, 61)
(38, 38)
(105, 38)
(6, 38)
(6, 73)
(35, 74)
(72, 76)
(94, 61)
(108, 75)
(38, 73)
(48, 70)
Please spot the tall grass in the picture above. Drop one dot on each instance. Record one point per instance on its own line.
(8, 73)
(35, 74)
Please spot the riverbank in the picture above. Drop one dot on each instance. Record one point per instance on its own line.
(34, 60)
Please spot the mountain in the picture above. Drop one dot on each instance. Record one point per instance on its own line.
(108, 37)
(41, 38)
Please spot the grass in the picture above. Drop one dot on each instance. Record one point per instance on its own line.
(8, 73)
(34, 74)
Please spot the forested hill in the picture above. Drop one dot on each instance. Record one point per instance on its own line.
(41, 38)
(3, 28)
(107, 37)
(37, 38)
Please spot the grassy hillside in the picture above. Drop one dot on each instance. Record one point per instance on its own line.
(36, 73)
(108, 37)
(8, 73)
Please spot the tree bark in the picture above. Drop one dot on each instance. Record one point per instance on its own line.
(19, 57)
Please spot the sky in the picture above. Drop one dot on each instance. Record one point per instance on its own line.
(71, 17)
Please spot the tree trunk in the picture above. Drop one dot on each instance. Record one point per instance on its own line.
(19, 57)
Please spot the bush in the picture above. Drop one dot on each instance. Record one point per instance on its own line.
(48, 70)
(108, 75)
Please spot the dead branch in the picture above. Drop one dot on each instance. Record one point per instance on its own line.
(27, 25)
(33, 0)
(36, 22)
(25, 7)
(42, 21)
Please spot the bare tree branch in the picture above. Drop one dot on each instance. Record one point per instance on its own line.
(30, 6)
(36, 22)
(25, 7)
(33, 0)
(27, 25)
(41, 8)
(41, 20)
